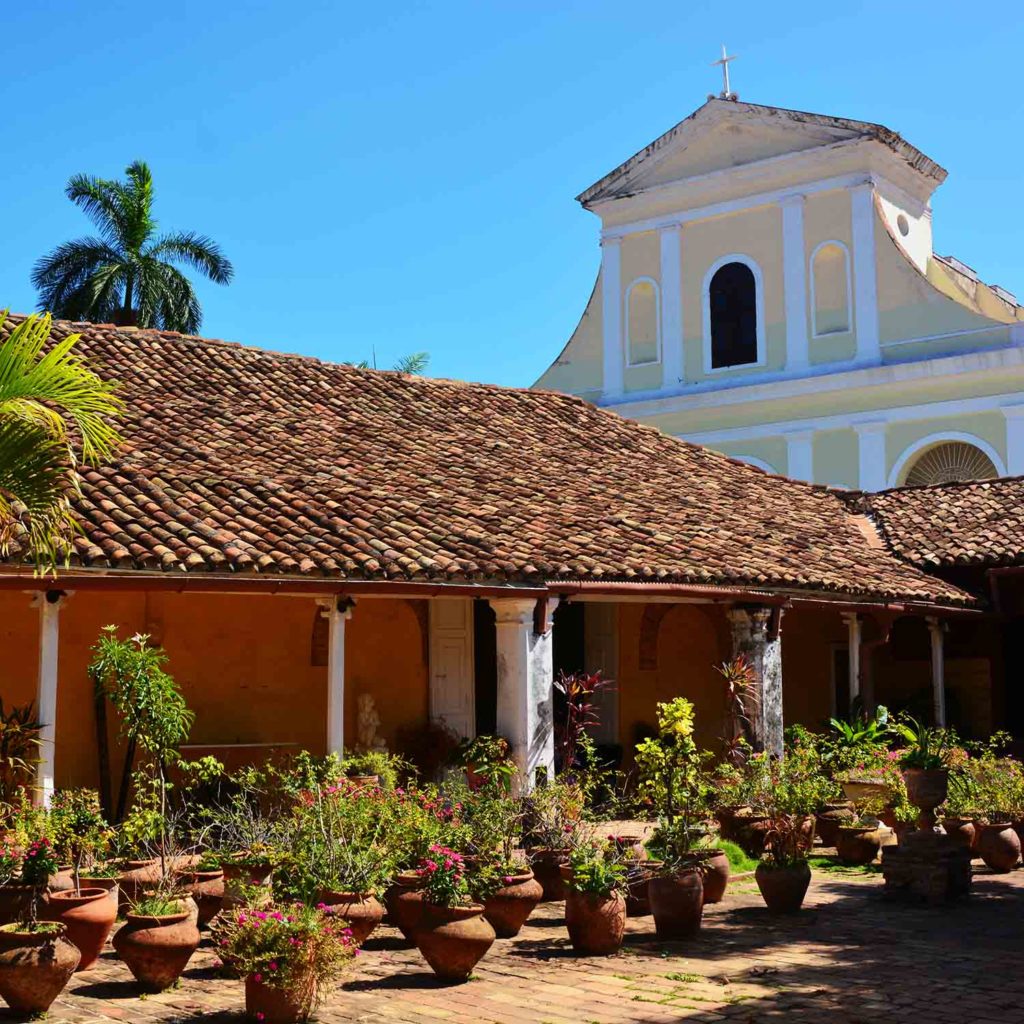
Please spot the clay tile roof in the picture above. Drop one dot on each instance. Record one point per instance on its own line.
(978, 523)
(247, 461)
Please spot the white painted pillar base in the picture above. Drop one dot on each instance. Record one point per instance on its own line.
(336, 611)
(49, 604)
(525, 694)
(853, 626)
(936, 629)
(752, 637)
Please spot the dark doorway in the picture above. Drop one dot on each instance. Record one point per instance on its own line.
(567, 646)
(733, 300)
(485, 668)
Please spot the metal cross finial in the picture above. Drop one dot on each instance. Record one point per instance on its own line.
(724, 62)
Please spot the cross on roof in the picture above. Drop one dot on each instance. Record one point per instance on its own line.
(724, 62)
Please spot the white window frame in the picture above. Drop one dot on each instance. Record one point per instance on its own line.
(657, 323)
(747, 261)
(815, 333)
(919, 447)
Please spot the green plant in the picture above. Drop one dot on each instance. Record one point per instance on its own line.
(157, 905)
(79, 827)
(388, 768)
(596, 870)
(19, 749)
(37, 865)
(54, 413)
(857, 744)
(10, 862)
(487, 757)
(552, 815)
(929, 748)
(739, 862)
(127, 275)
(740, 696)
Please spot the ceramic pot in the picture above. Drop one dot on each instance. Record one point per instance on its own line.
(858, 844)
(109, 885)
(677, 903)
(926, 789)
(507, 909)
(751, 830)
(88, 915)
(783, 889)
(638, 880)
(596, 923)
(135, 879)
(961, 831)
(157, 949)
(829, 819)
(405, 904)
(715, 876)
(453, 939)
(546, 864)
(34, 968)
(272, 1005)
(998, 846)
(15, 902)
(361, 911)
(238, 875)
(207, 890)
(628, 844)
(860, 791)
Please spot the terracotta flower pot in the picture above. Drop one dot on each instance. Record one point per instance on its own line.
(783, 889)
(862, 790)
(88, 915)
(677, 903)
(135, 879)
(272, 1005)
(961, 830)
(596, 923)
(34, 968)
(361, 911)
(638, 881)
(109, 885)
(507, 909)
(926, 789)
(241, 873)
(405, 903)
(453, 939)
(157, 949)
(829, 819)
(998, 846)
(15, 902)
(858, 844)
(715, 876)
(546, 864)
(207, 890)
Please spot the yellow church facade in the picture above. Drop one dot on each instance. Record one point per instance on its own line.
(768, 288)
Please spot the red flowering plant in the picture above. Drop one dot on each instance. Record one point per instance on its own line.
(287, 947)
(444, 877)
(38, 864)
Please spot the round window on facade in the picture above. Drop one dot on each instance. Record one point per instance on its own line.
(950, 462)
(903, 224)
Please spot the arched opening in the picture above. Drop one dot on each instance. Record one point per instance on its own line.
(830, 288)
(732, 305)
(948, 462)
(642, 322)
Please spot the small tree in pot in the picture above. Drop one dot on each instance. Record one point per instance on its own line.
(595, 908)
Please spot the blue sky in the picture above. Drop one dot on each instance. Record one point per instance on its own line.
(395, 177)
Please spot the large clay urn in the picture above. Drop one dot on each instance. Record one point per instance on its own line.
(783, 888)
(135, 878)
(926, 789)
(453, 939)
(677, 903)
(546, 869)
(207, 890)
(405, 904)
(361, 911)
(858, 845)
(638, 880)
(715, 876)
(998, 846)
(157, 949)
(596, 923)
(34, 967)
(507, 908)
(829, 820)
(271, 1005)
(88, 915)
(961, 831)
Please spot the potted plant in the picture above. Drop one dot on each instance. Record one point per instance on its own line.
(289, 955)
(551, 820)
(452, 933)
(671, 775)
(87, 913)
(595, 907)
(998, 789)
(486, 760)
(15, 893)
(925, 765)
(36, 959)
(783, 874)
(859, 842)
(854, 752)
(204, 882)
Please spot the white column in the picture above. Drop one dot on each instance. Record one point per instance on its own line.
(865, 279)
(672, 367)
(936, 629)
(752, 636)
(853, 626)
(336, 611)
(611, 315)
(794, 280)
(1014, 439)
(49, 604)
(871, 458)
(800, 454)
(525, 673)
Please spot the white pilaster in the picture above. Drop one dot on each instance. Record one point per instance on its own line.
(1014, 439)
(671, 306)
(794, 280)
(49, 604)
(611, 315)
(865, 272)
(853, 627)
(936, 629)
(800, 454)
(337, 611)
(525, 695)
(871, 455)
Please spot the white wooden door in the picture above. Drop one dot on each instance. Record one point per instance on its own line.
(452, 685)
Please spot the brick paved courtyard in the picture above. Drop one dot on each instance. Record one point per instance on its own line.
(847, 957)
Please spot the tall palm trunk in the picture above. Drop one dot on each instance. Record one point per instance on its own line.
(127, 317)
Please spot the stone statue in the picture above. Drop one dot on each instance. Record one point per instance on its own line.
(368, 724)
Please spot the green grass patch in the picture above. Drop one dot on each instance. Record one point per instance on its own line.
(738, 860)
(832, 865)
(687, 978)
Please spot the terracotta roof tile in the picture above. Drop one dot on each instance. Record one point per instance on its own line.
(242, 460)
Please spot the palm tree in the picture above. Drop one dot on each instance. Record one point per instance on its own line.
(53, 411)
(416, 363)
(126, 275)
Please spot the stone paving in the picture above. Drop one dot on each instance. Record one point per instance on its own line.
(848, 957)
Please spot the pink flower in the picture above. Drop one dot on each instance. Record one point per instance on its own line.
(259, 1015)
(508, 879)
(257, 978)
(273, 965)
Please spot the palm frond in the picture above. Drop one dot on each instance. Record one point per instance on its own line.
(98, 199)
(196, 251)
(61, 276)
(416, 363)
